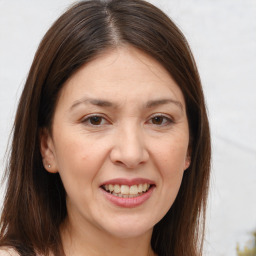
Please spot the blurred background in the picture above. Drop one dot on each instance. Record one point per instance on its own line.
(222, 35)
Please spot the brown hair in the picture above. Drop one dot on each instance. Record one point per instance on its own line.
(31, 217)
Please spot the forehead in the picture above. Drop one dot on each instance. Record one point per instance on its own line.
(122, 73)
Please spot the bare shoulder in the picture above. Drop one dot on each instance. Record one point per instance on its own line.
(7, 251)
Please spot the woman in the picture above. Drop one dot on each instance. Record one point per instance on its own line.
(111, 145)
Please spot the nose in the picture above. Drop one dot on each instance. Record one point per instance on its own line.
(129, 148)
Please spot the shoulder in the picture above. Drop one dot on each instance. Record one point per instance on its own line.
(7, 251)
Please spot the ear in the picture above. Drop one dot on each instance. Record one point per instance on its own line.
(188, 159)
(48, 151)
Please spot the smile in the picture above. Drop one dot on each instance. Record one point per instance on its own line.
(128, 193)
(125, 191)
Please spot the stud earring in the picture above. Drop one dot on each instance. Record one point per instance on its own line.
(49, 166)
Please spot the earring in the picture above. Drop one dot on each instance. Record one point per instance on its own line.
(49, 166)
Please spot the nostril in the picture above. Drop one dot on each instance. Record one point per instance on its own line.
(126, 164)
(129, 162)
(119, 162)
(129, 151)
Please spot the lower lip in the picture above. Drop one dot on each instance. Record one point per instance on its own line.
(129, 202)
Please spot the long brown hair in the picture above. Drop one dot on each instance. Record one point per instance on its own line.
(31, 218)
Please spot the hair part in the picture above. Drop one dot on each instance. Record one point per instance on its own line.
(34, 204)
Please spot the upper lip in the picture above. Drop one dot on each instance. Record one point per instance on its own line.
(128, 182)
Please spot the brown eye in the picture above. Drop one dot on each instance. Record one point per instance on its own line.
(95, 120)
(158, 120)
(161, 120)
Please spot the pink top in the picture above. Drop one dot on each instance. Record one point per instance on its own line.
(8, 252)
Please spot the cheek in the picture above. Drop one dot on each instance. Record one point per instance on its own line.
(78, 161)
(170, 156)
(170, 159)
(75, 149)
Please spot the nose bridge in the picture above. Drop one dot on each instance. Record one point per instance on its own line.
(129, 148)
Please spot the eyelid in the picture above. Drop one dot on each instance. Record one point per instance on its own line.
(85, 119)
(169, 118)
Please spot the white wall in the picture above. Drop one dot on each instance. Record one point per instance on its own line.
(222, 34)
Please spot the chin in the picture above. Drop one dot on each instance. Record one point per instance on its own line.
(130, 233)
(129, 229)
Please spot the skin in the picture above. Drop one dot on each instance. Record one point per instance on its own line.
(131, 139)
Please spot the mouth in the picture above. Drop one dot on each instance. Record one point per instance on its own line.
(127, 191)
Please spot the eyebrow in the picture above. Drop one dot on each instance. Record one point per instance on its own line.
(155, 103)
(105, 103)
(96, 102)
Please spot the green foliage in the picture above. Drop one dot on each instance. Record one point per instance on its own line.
(250, 249)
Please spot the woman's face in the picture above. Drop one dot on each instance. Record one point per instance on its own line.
(119, 142)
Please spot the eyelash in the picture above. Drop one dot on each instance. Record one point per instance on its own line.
(168, 120)
(88, 120)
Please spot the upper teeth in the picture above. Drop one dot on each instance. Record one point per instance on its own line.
(127, 190)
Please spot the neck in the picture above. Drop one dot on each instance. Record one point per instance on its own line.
(91, 241)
